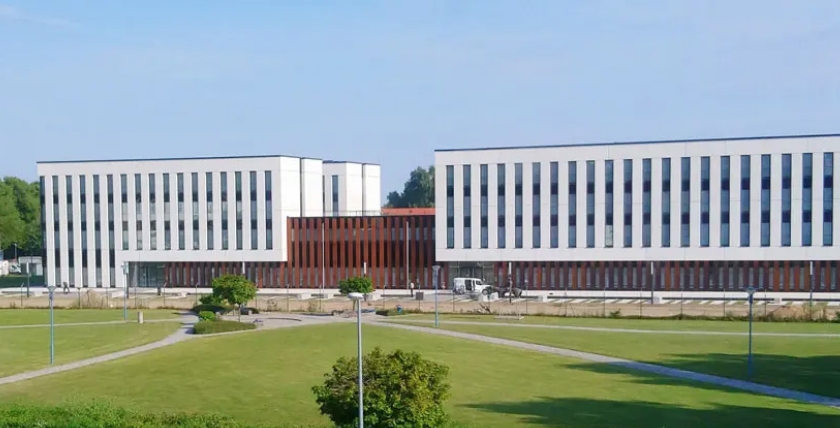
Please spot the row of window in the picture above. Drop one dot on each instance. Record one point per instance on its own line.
(728, 213)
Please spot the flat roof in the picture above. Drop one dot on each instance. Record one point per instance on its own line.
(197, 158)
(624, 143)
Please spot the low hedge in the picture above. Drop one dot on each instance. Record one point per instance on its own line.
(206, 316)
(216, 309)
(104, 415)
(212, 327)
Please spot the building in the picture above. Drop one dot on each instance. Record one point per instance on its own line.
(664, 215)
(181, 222)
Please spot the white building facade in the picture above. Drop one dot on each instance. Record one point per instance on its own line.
(181, 222)
(693, 215)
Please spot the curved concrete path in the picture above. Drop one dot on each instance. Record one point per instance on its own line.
(621, 330)
(270, 322)
(633, 365)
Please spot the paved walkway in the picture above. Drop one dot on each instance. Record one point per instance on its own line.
(620, 330)
(270, 322)
(633, 365)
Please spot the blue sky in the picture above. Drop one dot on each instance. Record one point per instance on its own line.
(390, 81)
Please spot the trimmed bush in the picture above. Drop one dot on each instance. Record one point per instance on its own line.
(206, 316)
(216, 309)
(390, 312)
(212, 327)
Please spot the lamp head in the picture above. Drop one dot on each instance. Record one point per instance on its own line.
(356, 296)
(51, 288)
(750, 291)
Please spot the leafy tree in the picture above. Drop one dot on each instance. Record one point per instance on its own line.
(401, 389)
(20, 216)
(235, 289)
(355, 284)
(418, 192)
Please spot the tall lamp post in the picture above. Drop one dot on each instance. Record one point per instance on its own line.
(435, 270)
(51, 289)
(125, 294)
(357, 299)
(750, 293)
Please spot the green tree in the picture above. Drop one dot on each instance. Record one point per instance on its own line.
(235, 289)
(355, 284)
(401, 389)
(20, 216)
(418, 192)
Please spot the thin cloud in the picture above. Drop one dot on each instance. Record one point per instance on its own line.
(15, 14)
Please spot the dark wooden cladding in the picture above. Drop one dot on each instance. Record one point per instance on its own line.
(340, 247)
(660, 276)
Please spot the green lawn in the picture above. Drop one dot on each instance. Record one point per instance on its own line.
(266, 377)
(10, 317)
(645, 324)
(24, 349)
(801, 363)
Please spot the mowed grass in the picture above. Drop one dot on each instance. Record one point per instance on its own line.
(10, 317)
(641, 324)
(24, 349)
(801, 363)
(266, 377)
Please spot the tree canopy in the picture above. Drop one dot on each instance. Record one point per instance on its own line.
(20, 216)
(418, 192)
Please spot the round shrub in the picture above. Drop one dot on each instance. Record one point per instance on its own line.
(216, 309)
(207, 316)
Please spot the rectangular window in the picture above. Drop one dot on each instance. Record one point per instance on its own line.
(705, 199)
(554, 228)
(484, 205)
(269, 225)
(517, 204)
(572, 204)
(152, 213)
(685, 202)
(334, 180)
(590, 204)
(111, 247)
(467, 171)
(745, 200)
(223, 183)
(208, 184)
(787, 205)
(609, 203)
(252, 184)
(194, 192)
(138, 205)
(167, 211)
(807, 197)
(536, 238)
(666, 202)
(765, 200)
(237, 178)
(828, 199)
(181, 213)
(646, 202)
(500, 204)
(124, 210)
(724, 200)
(628, 203)
(450, 206)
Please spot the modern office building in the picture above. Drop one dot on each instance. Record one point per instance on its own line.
(664, 215)
(182, 222)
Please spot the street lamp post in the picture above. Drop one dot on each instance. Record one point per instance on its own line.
(357, 298)
(526, 296)
(51, 289)
(125, 294)
(435, 270)
(750, 293)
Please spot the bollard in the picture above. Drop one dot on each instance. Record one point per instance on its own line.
(140, 317)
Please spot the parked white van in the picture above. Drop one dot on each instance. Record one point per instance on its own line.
(470, 285)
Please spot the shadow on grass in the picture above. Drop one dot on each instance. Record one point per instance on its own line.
(592, 413)
(816, 375)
